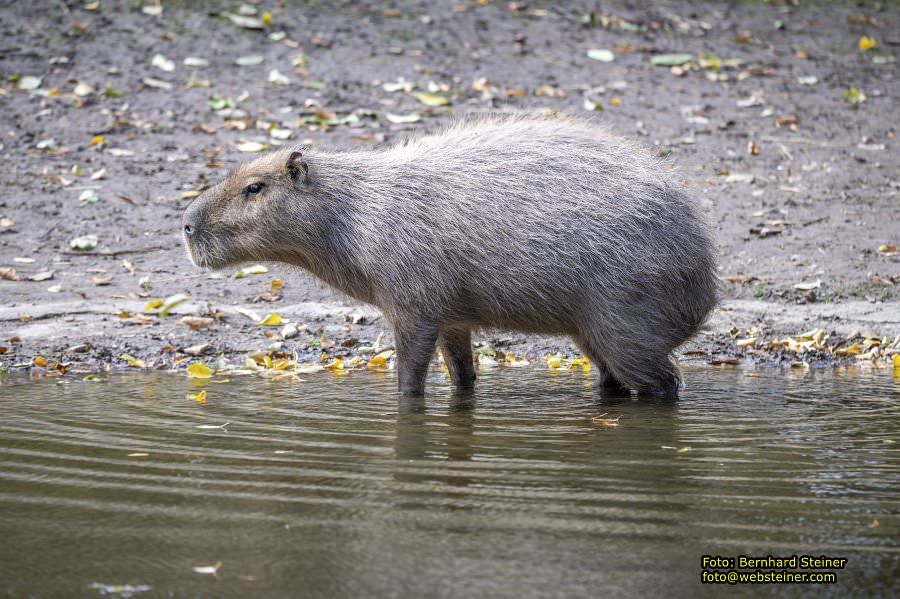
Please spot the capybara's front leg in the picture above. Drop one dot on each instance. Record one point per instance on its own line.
(456, 345)
(415, 343)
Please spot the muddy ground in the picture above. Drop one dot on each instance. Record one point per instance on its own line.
(782, 124)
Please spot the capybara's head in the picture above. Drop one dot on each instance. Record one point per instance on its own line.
(248, 216)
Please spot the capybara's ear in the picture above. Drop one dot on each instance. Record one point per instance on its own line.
(297, 167)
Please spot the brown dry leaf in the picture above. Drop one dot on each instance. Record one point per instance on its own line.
(606, 421)
(194, 323)
(785, 119)
(752, 148)
(8, 274)
(740, 279)
(516, 92)
(863, 20)
(322, 42)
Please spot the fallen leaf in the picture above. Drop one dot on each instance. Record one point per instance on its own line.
(8, 274)
(250, 146)
(808, 286)
(198, 397)
(39, 361)
(161, 62)
(199, 370)
(28, 83)
(244, 21)
(214, 568)
(156, 83)
(84, 243)
(256, 269)
(82, 89)
(606, 421)
(430, 99)
(194, 323)
(132, 361)
(403, 118)
(867, 43)
(854, 96)
(249, 61)
(170, 302)
(89, 196)
(602, 55)
(7, 222)
(670, 60)
(270, 320)
(45, 275)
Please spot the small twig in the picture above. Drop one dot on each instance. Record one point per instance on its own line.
(814, 221)
(113, 254)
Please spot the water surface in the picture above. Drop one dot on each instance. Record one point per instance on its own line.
(331, 487)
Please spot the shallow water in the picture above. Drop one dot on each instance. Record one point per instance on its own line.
(326, 488)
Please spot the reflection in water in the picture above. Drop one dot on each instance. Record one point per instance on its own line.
(335, 487)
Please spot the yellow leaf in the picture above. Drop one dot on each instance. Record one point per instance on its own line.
(580, 361)
(895, 361)
(276, 283)
(153, 305)
(97, 140)
(336, 364)
(266, 18)
(554, 361)
(198, 397)
(198, 370)
(614, 101)
(187, 195)
(132, 361)
(851, 350)
(40, 361)
(867, 43)
(124, 314)
(270, 320)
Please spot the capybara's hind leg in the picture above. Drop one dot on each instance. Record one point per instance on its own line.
(456, 345)
(604, 379)
(415, 343)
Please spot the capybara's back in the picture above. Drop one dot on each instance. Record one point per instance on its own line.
(532, 224)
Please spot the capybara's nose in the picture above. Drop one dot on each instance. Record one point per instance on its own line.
(188, 229)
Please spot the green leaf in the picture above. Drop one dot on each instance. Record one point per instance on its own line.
(670, 60)
(171, 302)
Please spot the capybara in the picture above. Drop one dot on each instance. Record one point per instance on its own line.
(534, 224)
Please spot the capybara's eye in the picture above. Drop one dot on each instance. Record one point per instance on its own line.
(253, 188)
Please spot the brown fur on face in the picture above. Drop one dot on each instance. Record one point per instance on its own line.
(232, 223)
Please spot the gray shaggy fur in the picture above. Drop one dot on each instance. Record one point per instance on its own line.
(532, 224)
